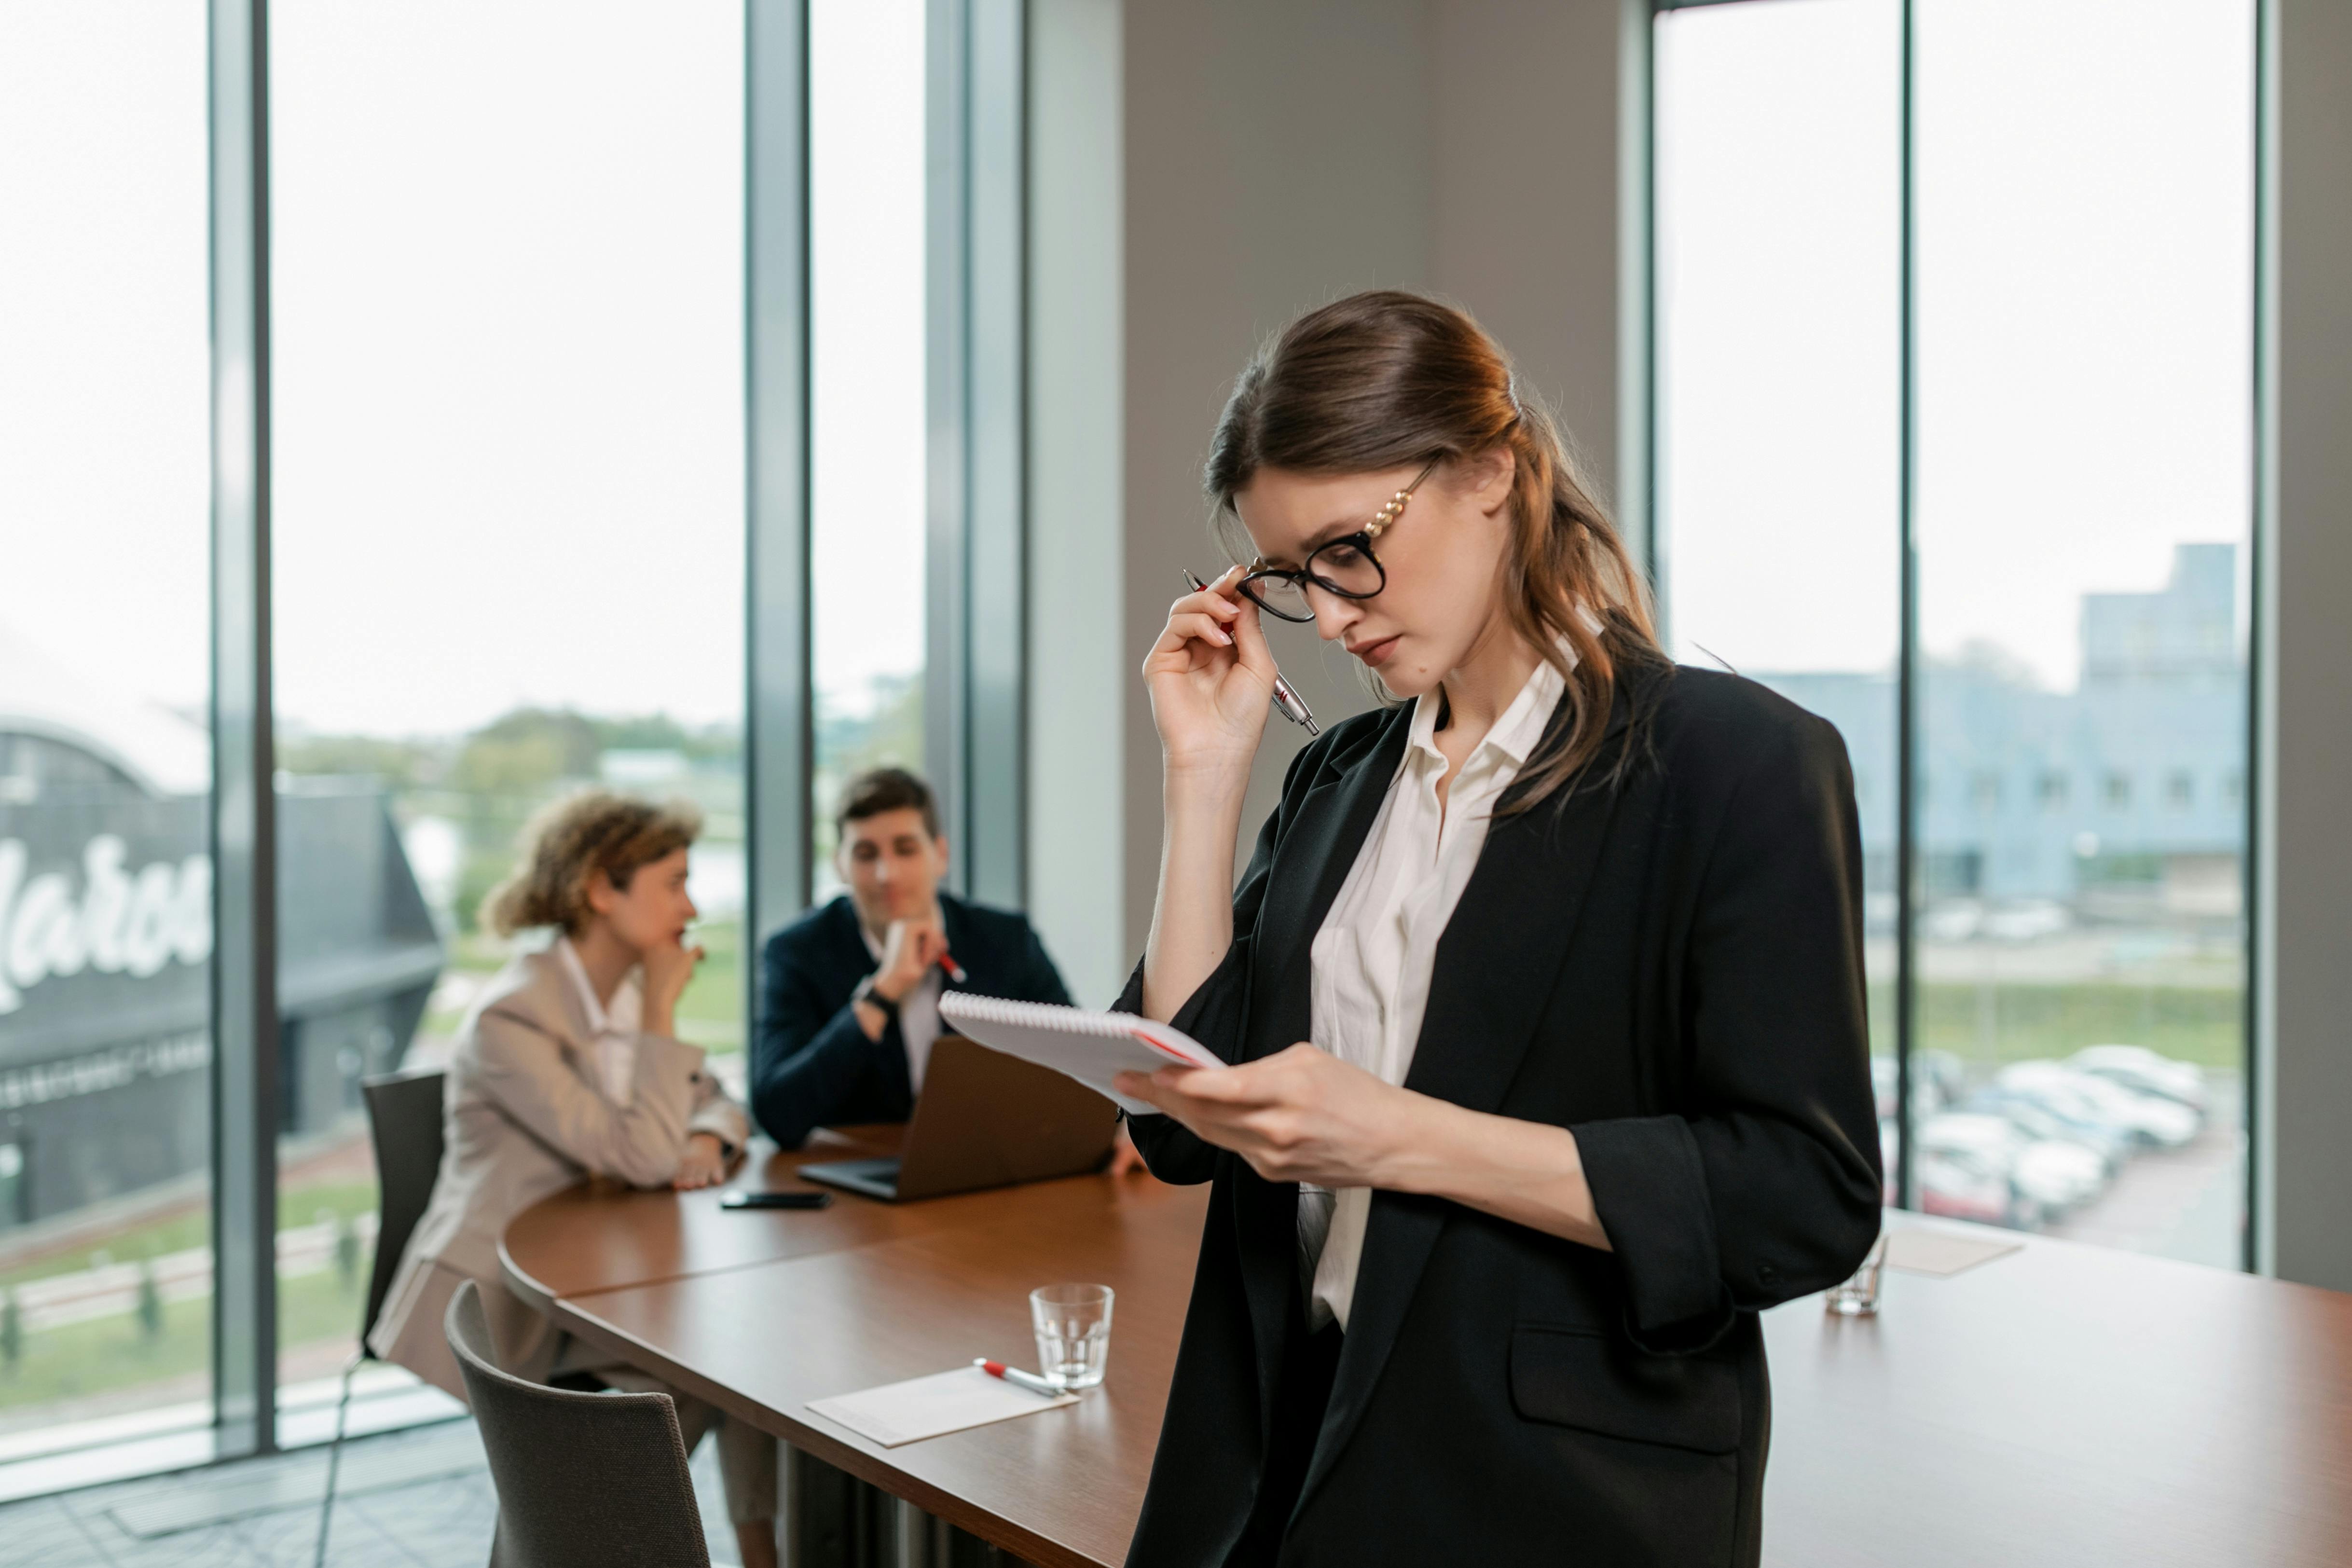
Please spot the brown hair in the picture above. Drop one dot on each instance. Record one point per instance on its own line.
(568, 843)
(1389, 380)
(878, 790)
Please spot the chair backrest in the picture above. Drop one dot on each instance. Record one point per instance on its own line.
(404, 1115)
(582, 1479)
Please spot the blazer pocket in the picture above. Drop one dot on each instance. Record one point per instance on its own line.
(1588, 1380)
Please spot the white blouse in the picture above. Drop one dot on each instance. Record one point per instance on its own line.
(1373, 958)
(611, 1031)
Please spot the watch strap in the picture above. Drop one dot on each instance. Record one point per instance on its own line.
(867, 993)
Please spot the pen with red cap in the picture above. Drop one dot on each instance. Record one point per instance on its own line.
(1028, 1380)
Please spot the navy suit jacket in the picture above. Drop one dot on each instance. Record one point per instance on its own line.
(812, 1067)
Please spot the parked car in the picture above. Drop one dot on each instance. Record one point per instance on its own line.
(2166, 1124)
(1944, 1071)
(2146, 1071)
(2113, 1143)
(1962, 1186)
(1929, 1094)
(2052, 1174)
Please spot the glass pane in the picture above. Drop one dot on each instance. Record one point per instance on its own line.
(2086, 361)
(105, 759)
(1779, 207)
(509, 530)
(866, 344)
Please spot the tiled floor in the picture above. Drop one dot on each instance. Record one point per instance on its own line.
(419, 1499)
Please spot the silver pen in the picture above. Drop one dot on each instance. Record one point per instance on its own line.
(1286, 702)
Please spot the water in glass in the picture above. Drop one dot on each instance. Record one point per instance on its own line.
(1072, 1324)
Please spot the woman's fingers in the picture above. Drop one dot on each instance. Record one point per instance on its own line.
(1249, 635)
(1199, 624)
(1180, 640)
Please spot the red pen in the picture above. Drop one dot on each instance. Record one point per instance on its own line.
(1028, 1380)
(955, 970)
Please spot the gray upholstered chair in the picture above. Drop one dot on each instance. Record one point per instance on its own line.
(582, 1479)
(405, 1120)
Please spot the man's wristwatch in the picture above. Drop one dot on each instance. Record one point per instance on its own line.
(873, 998)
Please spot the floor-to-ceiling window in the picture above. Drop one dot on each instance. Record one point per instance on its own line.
(2085, 180)
(497, 367)
(867, 429)
(2075, 285)
(105, 939)
(508, 242)
(1780, 371)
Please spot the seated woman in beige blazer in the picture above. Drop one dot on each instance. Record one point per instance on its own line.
(568, 1066)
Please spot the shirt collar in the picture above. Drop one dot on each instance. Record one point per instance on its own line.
(600, 1022)
(1521, 726)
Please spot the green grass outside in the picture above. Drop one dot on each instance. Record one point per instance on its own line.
(1995, 1024)
(296, 1206)
(107, 1355)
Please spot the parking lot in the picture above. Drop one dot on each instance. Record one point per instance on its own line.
(2186, 1203)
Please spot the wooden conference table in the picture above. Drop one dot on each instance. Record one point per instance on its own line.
(2063, 1405)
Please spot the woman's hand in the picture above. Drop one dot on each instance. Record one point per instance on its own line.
(1306, 1116)
(703, 1164)
(1211, 677)
(668, 966)
(1302, 1115)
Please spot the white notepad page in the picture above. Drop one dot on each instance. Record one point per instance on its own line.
(1092, 1047)
(929, 1406)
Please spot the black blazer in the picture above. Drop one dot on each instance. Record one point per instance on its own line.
(812, 1067)
(1672, 968)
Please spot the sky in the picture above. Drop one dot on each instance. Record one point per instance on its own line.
(509, 353)
(509, 363)
(2086, 317)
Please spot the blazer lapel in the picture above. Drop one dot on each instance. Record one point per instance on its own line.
(1313, 860)
(1495, 965)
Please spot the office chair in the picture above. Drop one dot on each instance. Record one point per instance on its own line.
(404, 1121)
(582, 1479)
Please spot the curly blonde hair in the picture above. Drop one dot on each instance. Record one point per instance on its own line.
(568, 842)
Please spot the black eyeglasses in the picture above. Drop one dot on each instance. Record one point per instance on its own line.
(1345, 566)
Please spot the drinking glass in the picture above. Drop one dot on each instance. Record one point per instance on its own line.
(1858, 1297)
(1072, 1324)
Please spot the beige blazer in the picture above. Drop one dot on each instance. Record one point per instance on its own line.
(523, 1117)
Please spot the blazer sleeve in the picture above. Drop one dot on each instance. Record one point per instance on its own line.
(718, 1114)
(1217, 1013)
(1767, 1186)
(809, 1059)
(525, 1074)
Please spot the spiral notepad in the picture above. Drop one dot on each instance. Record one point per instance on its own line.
(1092, 1047)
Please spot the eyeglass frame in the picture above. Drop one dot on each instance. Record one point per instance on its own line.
(1363, 539)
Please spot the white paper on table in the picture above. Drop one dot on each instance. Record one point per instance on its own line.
(923, 1407)
(1093, 1048)
(1918, 1250)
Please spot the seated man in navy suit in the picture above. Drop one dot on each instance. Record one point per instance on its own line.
(850, 992)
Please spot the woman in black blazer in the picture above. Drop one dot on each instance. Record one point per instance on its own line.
(1544, 994)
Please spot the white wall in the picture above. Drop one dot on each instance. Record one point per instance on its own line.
(2305, 1077)
(1279, 156)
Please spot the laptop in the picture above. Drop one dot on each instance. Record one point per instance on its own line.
(984, 1120)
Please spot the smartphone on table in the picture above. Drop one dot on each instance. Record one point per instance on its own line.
(799, 1200)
